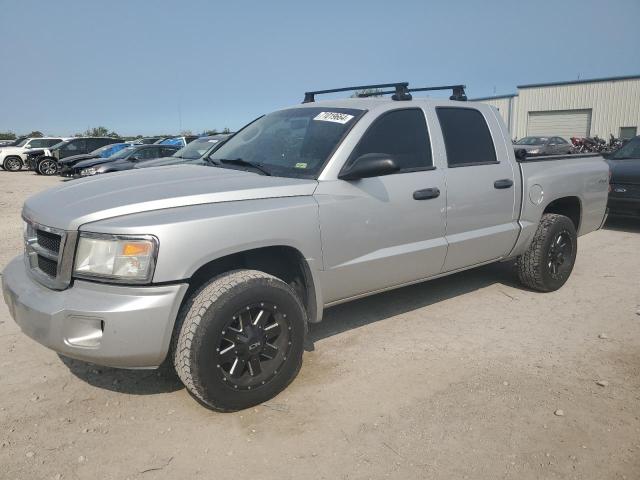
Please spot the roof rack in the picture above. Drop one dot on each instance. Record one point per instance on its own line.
(458, 92)
(400, 91)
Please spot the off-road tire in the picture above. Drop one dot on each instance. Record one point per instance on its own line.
(12, 164)
(44, 167)
(533, 265)
(201, 325)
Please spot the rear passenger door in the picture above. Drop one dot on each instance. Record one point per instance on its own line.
(481, 194)
(384, 231)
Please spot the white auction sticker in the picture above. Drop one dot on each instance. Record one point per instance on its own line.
(333, 117)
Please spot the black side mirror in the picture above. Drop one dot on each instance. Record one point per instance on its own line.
(370, 165)
(521, 153)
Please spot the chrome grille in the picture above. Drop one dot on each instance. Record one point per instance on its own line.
(48, 254)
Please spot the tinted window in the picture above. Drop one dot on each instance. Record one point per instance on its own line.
(401, 134)
(75, 145)
(51, 142)
(38, 143)
(466, 137)
(167, 152)
(561, 141)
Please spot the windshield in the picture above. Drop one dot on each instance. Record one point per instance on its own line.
(532, 141)
(59, 145)
(196, 149)
(124, 153)
(294, 142)
(22, 143)
(630, 150)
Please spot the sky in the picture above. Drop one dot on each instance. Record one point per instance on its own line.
(145, 67)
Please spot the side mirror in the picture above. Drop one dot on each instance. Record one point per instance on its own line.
(370, 165)
(521, 153)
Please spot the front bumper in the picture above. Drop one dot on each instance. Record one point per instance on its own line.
(116, 326)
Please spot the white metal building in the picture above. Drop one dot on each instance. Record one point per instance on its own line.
(602, 106)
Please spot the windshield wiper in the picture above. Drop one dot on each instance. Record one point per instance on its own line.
(241, 162)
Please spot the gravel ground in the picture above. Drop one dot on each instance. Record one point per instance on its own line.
(468, 376)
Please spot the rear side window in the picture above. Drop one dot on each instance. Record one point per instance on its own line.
(401, 134)
(467, 138)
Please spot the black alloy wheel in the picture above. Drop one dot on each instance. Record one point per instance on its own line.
(253, 346)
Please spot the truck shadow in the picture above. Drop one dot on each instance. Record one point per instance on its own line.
(396, 302)
(623, 224)
(133, 382)
(337, 320)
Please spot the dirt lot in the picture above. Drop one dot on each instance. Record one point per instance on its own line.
(456, 378)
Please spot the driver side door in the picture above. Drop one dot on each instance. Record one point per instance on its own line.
(384, 231)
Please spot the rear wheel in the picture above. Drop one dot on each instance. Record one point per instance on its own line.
(240, 340)
(549, 260)
(47, 167)
(12, 164)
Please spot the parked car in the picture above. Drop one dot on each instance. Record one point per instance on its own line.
(123, 160)
(624, 194)
(180, 141)
(194, 154)
(65, 166)
(45, 161)
(13, 158)
(544, 146)
(219, 269)
(147, 140)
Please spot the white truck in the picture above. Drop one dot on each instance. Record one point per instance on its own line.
(13, 158)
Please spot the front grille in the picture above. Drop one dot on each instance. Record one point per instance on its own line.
(47, 266)
(47, 255)
(48, 240)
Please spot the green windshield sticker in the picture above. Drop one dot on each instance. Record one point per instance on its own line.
(301, 165)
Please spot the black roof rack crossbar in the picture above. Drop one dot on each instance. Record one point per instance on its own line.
(458, 92)
(400, 91)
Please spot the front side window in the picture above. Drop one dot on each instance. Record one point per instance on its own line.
(295, 142)
(467, 138)
(38, 143)
(195, 149)
(74, 146)
(400, 134)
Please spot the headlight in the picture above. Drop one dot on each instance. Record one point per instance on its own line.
(85, 172)
(119, 258)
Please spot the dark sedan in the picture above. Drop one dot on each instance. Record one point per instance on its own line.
(543, 146)
(123, 160)
(192, 154)
(624, 164)
(65, 166)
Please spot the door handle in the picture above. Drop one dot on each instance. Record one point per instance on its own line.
(504, 183)
(426, 194)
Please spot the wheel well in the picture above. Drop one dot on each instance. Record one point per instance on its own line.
(285, 263)
(569, 207)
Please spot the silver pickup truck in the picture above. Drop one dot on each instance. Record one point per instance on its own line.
(219, 269)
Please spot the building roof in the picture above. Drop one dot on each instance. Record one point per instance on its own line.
(494, 97)
(590, 80)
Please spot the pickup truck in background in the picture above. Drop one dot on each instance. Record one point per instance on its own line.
(219, 269)
(624, 197)
(13, 158)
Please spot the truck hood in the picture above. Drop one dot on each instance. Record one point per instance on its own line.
(68, 161)
(96, 198)
(625, 171)
(13, 150)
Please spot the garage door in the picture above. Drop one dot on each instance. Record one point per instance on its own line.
(562, 123)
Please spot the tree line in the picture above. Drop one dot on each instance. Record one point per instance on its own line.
(105, 132)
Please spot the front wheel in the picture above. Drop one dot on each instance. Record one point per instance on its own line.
(549, 260)
(240, 340)
(47, 167)
(12, 164)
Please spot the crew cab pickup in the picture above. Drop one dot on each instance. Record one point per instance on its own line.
(219, 269)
